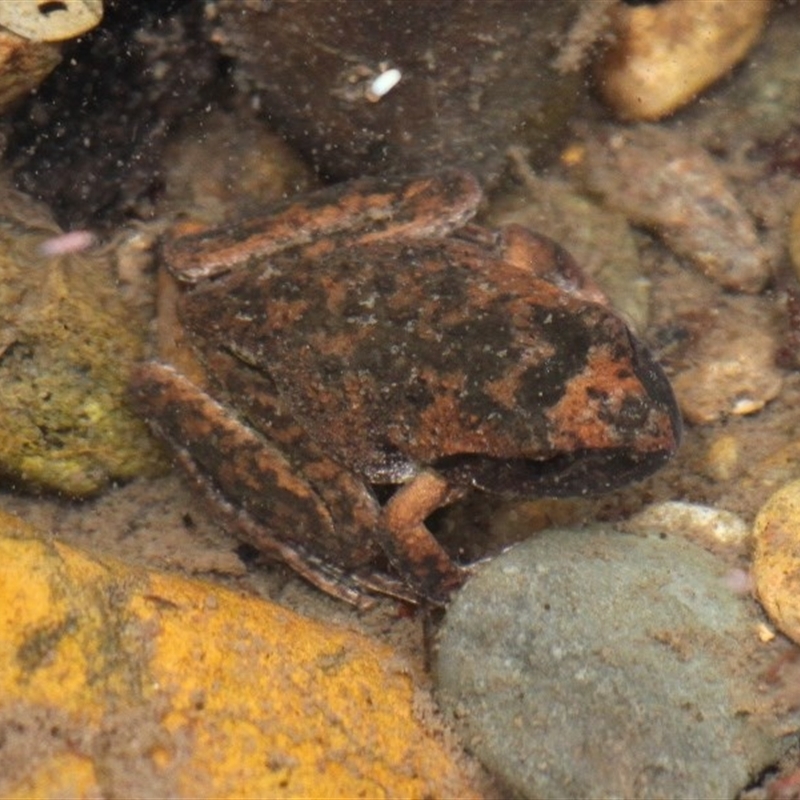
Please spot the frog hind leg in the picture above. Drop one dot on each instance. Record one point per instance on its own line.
(538, 256)
(190, 420)
(410, 546)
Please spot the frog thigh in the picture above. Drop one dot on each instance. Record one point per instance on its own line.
(365, 210)
(348, 499)
(244, 476)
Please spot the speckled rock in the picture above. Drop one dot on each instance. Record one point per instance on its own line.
(703, 524)
(596, 664)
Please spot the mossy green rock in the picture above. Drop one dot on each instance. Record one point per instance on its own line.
(67, 344)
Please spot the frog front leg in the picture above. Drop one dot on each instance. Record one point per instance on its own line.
(410, 546)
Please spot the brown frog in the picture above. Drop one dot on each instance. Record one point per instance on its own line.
(366, 335)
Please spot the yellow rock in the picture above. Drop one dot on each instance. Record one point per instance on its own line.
(665, 54)
(794, 240)
(64, 775)
(116, 681)
(776, 558)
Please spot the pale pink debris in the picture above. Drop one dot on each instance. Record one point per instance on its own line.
(71, 242)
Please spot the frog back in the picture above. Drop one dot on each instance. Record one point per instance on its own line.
(396, 356)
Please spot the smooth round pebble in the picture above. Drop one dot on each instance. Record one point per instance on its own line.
(776, 558)
(597, 664)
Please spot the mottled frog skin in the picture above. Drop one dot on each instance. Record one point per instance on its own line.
(367, 335)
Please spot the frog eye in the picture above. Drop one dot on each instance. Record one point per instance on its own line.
(656, 384)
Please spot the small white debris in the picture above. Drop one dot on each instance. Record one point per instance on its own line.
(383, 84)
(765, 633)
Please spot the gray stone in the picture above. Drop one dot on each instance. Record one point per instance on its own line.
(596, 664)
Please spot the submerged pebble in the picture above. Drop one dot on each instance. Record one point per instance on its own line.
(596, 664)
(661, 180)
(732, 369)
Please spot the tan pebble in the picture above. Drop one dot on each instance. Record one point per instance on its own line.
(733, 373)
(664, 55)
(700, 523)
(776, 559)
(722, 458)
(51, 22)
(23, 66)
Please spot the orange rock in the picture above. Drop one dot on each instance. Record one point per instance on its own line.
(124, 682)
